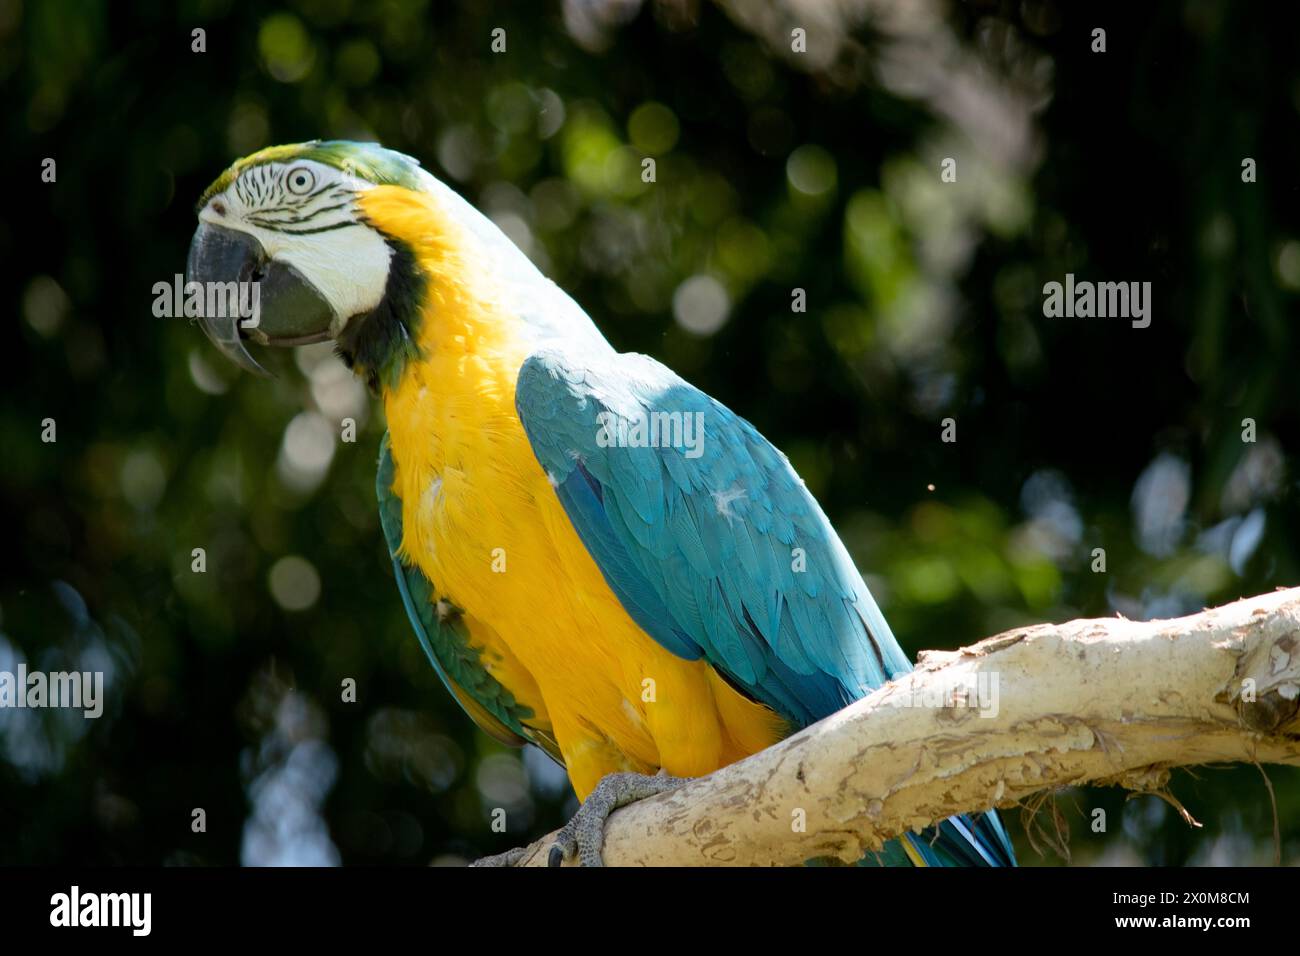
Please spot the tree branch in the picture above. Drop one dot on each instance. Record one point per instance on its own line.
(1104, 702)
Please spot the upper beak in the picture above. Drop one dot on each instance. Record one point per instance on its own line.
(285, 308)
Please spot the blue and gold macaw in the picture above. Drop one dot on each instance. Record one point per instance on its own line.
(596, 557)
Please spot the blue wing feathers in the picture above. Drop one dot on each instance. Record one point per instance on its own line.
(728, 518)
(699, 548)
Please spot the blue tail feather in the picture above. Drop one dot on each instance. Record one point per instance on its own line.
(980, 840)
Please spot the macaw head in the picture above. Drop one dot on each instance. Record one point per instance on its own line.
(290, 224)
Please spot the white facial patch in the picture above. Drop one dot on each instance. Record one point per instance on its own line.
(305, 215)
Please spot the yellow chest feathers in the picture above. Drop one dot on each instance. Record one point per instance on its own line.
(469, 478)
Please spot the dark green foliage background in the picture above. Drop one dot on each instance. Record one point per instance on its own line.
(1133, 173)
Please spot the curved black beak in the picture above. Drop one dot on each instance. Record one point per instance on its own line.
(246, 294)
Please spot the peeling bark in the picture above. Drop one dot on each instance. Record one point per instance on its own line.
(1105, 702)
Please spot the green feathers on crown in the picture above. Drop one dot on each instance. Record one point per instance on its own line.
(368, 161)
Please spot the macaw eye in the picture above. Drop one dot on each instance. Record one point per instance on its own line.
(301, 180)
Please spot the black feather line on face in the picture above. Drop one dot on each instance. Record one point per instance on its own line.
(378, 344)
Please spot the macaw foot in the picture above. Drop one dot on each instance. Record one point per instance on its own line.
(508, 858)
(585, 833)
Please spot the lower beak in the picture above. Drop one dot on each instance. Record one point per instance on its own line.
(259, 298)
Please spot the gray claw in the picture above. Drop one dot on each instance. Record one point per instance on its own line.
(585, 833)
